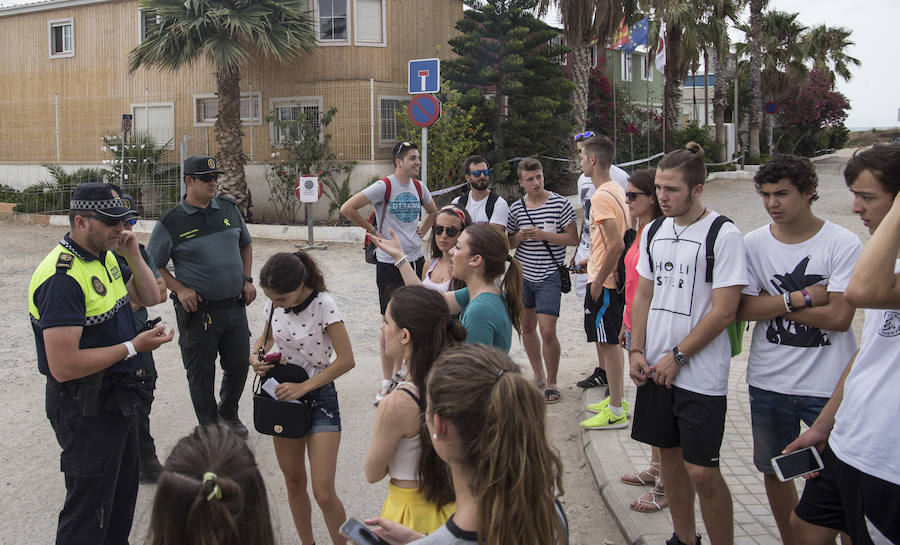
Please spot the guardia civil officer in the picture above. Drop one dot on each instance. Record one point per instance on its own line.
(209, 245)
(78, 299)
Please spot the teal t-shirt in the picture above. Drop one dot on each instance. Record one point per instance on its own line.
(485, 319)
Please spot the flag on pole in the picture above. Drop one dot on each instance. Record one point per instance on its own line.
(637, 35)
(621, 36)
(661, 49)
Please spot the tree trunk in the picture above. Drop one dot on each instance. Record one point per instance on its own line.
(673, 78)
(756, 21)
(229, 138)
(581, 73)
(705, 88)
(720, 99)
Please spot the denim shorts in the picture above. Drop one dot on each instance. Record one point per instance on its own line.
(326, 413)
(542, 296)
(776, 422)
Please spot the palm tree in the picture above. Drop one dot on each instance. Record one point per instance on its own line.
(755, 29)
(227, 33)
(825, 46)
(583, 22)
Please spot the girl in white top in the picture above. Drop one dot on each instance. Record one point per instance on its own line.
(438, 272)
(417, 328)
(308, 330)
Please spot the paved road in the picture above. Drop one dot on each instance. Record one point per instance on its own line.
(612, 453)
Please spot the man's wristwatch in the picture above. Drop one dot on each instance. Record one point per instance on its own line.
(680, 358)
(248, 279)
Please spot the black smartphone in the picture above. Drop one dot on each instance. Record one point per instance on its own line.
(795, 464)
(360, 534)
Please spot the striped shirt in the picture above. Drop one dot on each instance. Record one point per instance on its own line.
(553, 216)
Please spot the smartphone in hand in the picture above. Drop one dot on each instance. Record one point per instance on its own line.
(796, 464)
(360, 534)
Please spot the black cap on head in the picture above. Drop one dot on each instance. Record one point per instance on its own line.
(129, 202)
(102, 198)
(201, 164)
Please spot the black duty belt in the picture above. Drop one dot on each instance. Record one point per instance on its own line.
(222, 304)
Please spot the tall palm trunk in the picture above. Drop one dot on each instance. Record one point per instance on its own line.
(756, 21)
(705, 88)
(673, 78)
(581, 72)
(720, 99)
(229, 138)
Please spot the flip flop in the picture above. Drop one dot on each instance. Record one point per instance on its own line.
(552, 396)
(651, 502)
(645, 477)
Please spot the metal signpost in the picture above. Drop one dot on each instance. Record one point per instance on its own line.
(309, 190)
(126, 128)
(425, 108)
(771, 108)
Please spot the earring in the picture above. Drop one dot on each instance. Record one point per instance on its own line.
(434, 436)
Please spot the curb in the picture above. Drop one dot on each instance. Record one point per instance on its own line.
(614, 503)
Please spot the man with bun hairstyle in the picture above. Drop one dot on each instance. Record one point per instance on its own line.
(688, 293)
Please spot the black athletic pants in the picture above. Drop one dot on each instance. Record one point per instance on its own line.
(147, 374)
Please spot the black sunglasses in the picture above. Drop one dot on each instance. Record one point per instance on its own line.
(403, 147)
(107, 220)
(477, 173)
(632, 195)
(451, 231)
(206, 177)
(584, 135)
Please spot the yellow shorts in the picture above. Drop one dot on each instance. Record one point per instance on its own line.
(410, 508)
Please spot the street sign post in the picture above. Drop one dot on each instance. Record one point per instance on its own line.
(424, 76)
(308, 190)
(424, 111)
(126, 128)
(771, 108)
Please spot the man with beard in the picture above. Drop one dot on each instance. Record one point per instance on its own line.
(482, 204)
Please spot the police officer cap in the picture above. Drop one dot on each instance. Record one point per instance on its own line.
(129, 202)
(200, 164)
(102, 198)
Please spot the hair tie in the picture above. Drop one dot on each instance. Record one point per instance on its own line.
(500, 374)
(508, 258)
(216, 491)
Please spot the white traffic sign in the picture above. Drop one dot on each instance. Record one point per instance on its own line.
(308, 189)
(424, 76)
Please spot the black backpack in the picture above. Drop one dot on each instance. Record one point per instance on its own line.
(489, 208)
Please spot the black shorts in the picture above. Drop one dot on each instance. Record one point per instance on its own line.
(846, 499)
(388, 278)
(672, 418)
(603, 317)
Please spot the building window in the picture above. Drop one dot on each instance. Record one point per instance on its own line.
(158, 119)
(333, 20)
(595, 56)
(299, 109)
(555, 42)
(647, 68)
(370, 22)
(149, 21)
(206, 109)
(626, 67)
(62, 38)
(389, 127)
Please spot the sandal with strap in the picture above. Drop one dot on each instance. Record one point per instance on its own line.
(645, 477)
(552, 396)
(651, 502)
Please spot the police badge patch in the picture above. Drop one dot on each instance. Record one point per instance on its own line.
(212, 163)
(98, 286)
(64, 261)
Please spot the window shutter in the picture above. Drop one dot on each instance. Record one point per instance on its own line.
(369, 23)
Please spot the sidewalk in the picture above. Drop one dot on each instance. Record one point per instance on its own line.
(612, 453)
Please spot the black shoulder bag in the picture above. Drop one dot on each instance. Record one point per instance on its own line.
(565, 281)
(274, 417)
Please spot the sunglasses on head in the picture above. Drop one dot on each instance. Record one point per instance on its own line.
(584, 135)
(440, 229)
(403, 147)
(107, 220)
(632, 195)
(478, 173)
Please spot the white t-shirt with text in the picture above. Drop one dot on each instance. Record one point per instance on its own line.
(682, 297)
(786, 356)
(865, 428)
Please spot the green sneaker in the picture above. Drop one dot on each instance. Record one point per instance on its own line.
(606, 420)
(597, 407)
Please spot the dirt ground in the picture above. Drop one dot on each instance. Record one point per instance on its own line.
(31, 485)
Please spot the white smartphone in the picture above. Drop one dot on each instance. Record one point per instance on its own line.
(359, 533)
(796, 464)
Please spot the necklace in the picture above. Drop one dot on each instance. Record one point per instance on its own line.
(677, 234)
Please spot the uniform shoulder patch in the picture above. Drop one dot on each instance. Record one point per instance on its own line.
(64, 261)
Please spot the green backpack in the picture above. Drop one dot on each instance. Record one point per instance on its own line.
(735, 329)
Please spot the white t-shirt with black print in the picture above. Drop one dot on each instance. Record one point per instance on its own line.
(786, 356)
(402, 215)
(682, 297)
(865, 427)
(300, 336)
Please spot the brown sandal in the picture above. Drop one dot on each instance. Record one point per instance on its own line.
(645, 477)
(651, 502)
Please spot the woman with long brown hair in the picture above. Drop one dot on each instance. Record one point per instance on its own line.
(449, 223)
(417, 328)
(481, 255)
(505, 472)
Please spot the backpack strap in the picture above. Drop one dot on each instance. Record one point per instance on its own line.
(711, 242)
(463, 200)
(489, 207)
(651, 230)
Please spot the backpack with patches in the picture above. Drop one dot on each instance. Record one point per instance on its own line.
(368, 246)
(488, 208)
(735, 329)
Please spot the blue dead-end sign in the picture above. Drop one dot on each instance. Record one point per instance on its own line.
(424, 110)
(424, 76)
(771, 108)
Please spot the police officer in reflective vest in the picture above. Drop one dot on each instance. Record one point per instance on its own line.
(207, 240)
(86, 346)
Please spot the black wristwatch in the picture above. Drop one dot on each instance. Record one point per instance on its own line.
(248, 279)
(679, 356)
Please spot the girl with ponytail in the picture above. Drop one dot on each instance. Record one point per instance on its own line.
(481, 255)
(306, 327)
(211, 493)
(417, 327)
(505, 472)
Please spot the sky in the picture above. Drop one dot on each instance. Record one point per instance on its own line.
(874, 90)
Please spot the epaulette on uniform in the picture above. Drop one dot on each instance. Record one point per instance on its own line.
(64, 261)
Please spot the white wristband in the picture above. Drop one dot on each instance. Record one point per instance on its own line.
(131, 351)
(400, 260)
(787, 302)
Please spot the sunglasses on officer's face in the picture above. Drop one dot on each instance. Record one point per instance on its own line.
(440, 229)
(584, 135)
(107, 220)
(206, 177)
(479, 173)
